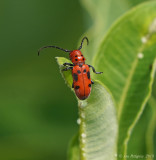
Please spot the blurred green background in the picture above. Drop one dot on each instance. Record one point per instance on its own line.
(38, 112)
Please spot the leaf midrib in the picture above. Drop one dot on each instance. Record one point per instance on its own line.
(141, 108)
(126, 88)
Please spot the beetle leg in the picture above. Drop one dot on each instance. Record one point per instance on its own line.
(72, 85)
(94, 70)
(68, 68)
(92, 82)
(67, 64)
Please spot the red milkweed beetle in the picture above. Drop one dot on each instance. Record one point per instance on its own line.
(80, 71)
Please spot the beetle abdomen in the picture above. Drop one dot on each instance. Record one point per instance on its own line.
(81, 81)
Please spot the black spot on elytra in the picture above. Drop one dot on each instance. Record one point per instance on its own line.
(75, 59)
(75, 76)
(76, 56)
(78, 71)
(84, 71)
(77, 87)
(83, 58)
(88, 75)
(89, 85)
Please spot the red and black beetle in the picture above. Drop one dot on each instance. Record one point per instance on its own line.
(80, 71)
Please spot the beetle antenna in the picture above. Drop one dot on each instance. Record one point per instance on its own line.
(83, 41)
(65, 50)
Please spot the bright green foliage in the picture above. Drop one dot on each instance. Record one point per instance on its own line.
(141, 140)
(127, 58)
(103, 13)
(98, 127)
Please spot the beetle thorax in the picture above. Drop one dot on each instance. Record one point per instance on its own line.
(77, 57)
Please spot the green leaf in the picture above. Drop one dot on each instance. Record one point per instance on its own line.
(150, 145)
(103, 13)
(125, 57)
(151, 128)
(98, 127)
(98, 123)
(67, 74)
(140, 142)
